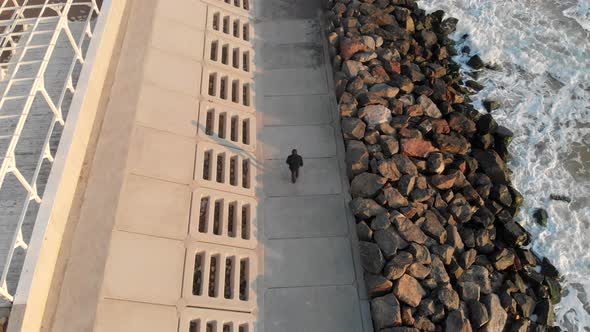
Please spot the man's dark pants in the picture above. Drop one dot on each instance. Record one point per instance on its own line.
(294, 174)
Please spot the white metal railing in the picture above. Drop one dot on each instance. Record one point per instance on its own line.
(42, 50)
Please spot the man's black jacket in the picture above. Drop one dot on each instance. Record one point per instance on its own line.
(295, 161)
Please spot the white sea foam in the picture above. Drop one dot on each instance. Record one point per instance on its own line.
(543, 84)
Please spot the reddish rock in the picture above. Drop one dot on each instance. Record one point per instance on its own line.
(409, 291)
(440, 126)
(350, 46)
(417, 147)
(443, 181)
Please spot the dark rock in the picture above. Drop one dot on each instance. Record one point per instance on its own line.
(409, 231)
(435, 163)
(350, 46)
(388, 169)
(468, 291)
(479, 275)
(418, 270)
(491, 105)
(421, 195)
(449, 298)
(420, 253)
(408, 290)
(514, 234)
(525, 304)
(393, 198)
(365, 208)
(353, 128)
(385, 312)
(357, 157)
(453, 238)
(433, 228)
(444, 182)
(521, 325)
(548, 269)
(474, 85)
(429, 107)
(562, 198)
(544, 312)
(389, 241)
(461, 124)
(438, 272)
(497, 315)
(377, 285)
(366, 185)
(453, 143)
(541, 216)
(445, 252)
(381, 222)
(424, 324)
(491, 163)
(417, 147)
(371, 258)
(404, 164)
(504, 259)
(457, 322)
(554, 289)
(486, 124)
(389, 145)
(476, 62)
(501, 194)
(407, 315)
(478, 314)
(484, 217)
(467, 258)
(384, 90)
(396, 268)
(406, 184)
(428, 38)
(364, 232)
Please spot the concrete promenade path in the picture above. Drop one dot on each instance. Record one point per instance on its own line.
(311, 279)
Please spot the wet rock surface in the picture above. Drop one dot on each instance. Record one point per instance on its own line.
(431, 191)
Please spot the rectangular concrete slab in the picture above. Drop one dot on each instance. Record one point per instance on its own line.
(189, 12)
(307, 216)
(295, 110)
(308, 262)
(143, 268)
(125, 316)
(162, 155)
(154, 207)
(289, 31)
(178, 38)
(173, 72)
(168, 110)
(317, 177)
(289, 82)
(310, 141)
(312, 309)
(283, 56)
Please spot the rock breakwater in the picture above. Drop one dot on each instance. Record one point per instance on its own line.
(431, 191)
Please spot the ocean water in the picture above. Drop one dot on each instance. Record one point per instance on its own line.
(541, 49)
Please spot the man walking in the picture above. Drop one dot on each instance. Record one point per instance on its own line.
(294, 161)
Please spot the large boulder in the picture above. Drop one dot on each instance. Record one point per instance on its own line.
(365, 208)
(453, 143)
(491, 163)
(366, 185)
(417, 147)
(497, 315)
(409, 231)
(389, 241)
(429, 107)
(353, 128)
(371, 258)
(385, 312)
(375, 114)
(357, 157)
(408, 290)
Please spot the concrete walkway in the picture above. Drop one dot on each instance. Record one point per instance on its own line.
(312, 280)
